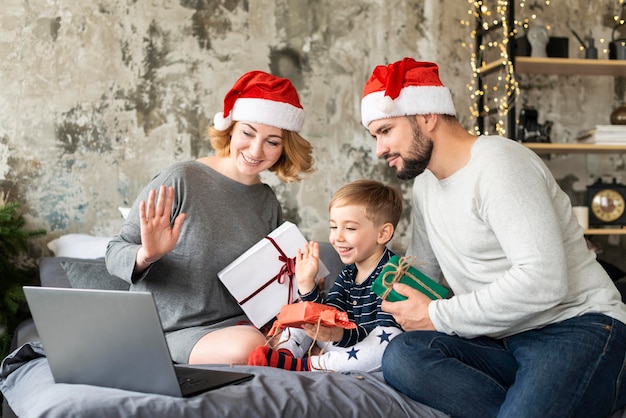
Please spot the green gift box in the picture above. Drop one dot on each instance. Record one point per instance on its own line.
(400, 269)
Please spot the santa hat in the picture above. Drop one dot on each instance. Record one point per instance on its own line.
(260, 97)
(406, 87)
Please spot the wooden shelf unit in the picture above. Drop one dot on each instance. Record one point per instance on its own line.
(571, 148)
(555, 66)
(561, 66)
(605, 231)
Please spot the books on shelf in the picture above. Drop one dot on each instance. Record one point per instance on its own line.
(603, 134)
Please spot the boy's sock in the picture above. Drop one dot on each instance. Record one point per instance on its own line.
(281, 359)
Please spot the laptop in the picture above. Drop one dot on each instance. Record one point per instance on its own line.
(114, 338)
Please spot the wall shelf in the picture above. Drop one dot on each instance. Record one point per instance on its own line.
(570, 66)
(561, 66)
(571, 148)
(605, 231)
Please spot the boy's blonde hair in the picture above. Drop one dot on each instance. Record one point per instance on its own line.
(297, 156)
(382, 203)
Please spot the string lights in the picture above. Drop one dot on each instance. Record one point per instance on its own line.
(492, 57)
(619, 21)
(493, 86)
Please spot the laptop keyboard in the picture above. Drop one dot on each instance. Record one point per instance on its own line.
(186, 377)
(189, 381)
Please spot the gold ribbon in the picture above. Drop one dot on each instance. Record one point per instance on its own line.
(310, 350)
(404, 263)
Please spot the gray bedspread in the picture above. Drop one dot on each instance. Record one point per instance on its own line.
(28, 386)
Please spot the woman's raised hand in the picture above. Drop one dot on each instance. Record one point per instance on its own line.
(158, 235)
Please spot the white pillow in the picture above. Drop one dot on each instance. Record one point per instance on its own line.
(79, 246)
(124, 211)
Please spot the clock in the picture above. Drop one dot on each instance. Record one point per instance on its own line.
(607, 204)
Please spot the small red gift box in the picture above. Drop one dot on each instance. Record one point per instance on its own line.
(297, 314)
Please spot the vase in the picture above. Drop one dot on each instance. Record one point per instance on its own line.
(538, 38)
(618, 116)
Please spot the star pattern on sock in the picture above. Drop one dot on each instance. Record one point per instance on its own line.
(352, 353)
(384, 336)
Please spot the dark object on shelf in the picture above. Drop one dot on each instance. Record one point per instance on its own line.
(617, 47)
(621, 286)
(521, 47)
(617, 275)
(617, 50)
(529, 128)
(558, 47)
(614, 272)
(606, 203)
(591, 52)
(618, 116)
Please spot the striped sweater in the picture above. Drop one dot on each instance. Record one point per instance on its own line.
(358, 300)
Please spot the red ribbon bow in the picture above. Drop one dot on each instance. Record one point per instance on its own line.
(288, 270)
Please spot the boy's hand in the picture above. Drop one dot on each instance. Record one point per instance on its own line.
(323, 334)
(307, 266)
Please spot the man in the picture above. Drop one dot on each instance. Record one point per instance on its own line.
(536, 327)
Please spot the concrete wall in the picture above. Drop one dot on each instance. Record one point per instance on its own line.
(96, 96)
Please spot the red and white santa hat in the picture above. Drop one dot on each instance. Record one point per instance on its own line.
(405, 87)
(260, 97)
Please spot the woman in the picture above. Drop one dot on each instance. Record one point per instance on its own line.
(208, 212)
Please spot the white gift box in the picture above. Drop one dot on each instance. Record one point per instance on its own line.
(259, 279)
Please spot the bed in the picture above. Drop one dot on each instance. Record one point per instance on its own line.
(28, 386)
(29, 389)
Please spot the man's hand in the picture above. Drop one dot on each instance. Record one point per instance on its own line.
(412, 313)
(307, 266)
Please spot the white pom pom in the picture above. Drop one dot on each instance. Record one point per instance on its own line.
(386, 105)
(220, 123)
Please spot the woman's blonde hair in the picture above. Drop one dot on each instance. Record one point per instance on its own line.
(382, 203)
(297, 156)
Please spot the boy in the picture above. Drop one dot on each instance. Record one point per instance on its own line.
(363, 218)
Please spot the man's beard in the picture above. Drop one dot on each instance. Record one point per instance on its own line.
(419, 154)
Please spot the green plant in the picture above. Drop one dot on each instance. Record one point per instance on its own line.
(15, 270)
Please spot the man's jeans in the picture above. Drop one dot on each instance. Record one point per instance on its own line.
(575, 368)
